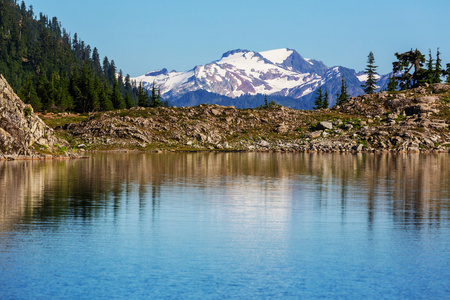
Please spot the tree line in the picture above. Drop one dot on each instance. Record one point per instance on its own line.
(51, 70)
(410, 70)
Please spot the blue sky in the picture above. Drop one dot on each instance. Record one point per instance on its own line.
(143, 35)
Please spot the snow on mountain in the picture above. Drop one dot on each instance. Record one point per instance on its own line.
(381, 79)
(277, 56)
(281, 72)
(363, 77)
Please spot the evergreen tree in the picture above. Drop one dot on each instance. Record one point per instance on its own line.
(142, 97)
(43, 90)
(128, 101)
(75, 91)
(343, 96)
(318, 102)
(406, 62)
(370, 84)
(153, 95)
(55, 90)
(117, 99)
(447, 72)
(43, 50)
(429, 77)
(105, 98)
(96, 62)
(28, 94)
(66, 101)
(392, 83)
(437, 68)
(325, 102)
(105, 66)
(111, 76)
(158, 102)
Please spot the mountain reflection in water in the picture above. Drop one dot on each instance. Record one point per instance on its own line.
(414, 189)
(226, 225)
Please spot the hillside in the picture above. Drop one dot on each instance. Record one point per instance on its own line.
(55, 71)
(410, 121)
(23, 135)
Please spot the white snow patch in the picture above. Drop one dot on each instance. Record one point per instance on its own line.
(309, 61)
(277, 56)
(363, 77)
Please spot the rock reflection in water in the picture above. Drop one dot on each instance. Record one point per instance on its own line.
(413, 189)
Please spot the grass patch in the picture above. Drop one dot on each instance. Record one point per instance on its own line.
(55, 121)
(27, 111)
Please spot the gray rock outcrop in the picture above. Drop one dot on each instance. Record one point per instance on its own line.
(22, 133)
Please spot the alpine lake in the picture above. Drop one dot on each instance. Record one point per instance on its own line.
(226, 225)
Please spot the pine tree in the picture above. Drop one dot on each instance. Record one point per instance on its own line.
(55, 90)
(429, 77)
(96, 62)
(325, 102)
(75, 91)
(392, 83)
(405, 63)
(343, 96)
(28, 94)
(117, 99)
(158, 102)
(30, 45)
(105, 66)
(318, 102)
(437, 68)
(142, 97)
(43, 90)
(105, 98)
(153, 95)
(370, 84)
(447, 72)
(66, 101)
(128, 101)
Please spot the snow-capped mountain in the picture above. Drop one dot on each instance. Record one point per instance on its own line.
(281, 73)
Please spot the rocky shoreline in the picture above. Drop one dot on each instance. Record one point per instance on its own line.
(413, 121)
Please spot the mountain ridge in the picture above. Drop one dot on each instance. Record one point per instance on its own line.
(280, 72)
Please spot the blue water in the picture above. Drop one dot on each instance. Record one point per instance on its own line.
(213, 226)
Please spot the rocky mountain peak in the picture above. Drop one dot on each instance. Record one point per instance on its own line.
(281, 73)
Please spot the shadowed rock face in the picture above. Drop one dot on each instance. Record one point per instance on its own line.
(21, 131)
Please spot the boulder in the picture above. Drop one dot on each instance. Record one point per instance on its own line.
(263, 143)
(281, 128)
(324, 126)
(418, 109)
(314, 134)
(427, 99)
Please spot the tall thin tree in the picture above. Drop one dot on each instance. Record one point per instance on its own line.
(437, 68)
(343, 96)
(318, 100)
(370, 84)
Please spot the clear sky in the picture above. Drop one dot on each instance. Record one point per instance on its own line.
(146, 35)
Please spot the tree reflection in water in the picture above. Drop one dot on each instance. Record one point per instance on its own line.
(413, 189)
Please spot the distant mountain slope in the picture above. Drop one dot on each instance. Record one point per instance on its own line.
(240, 74)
